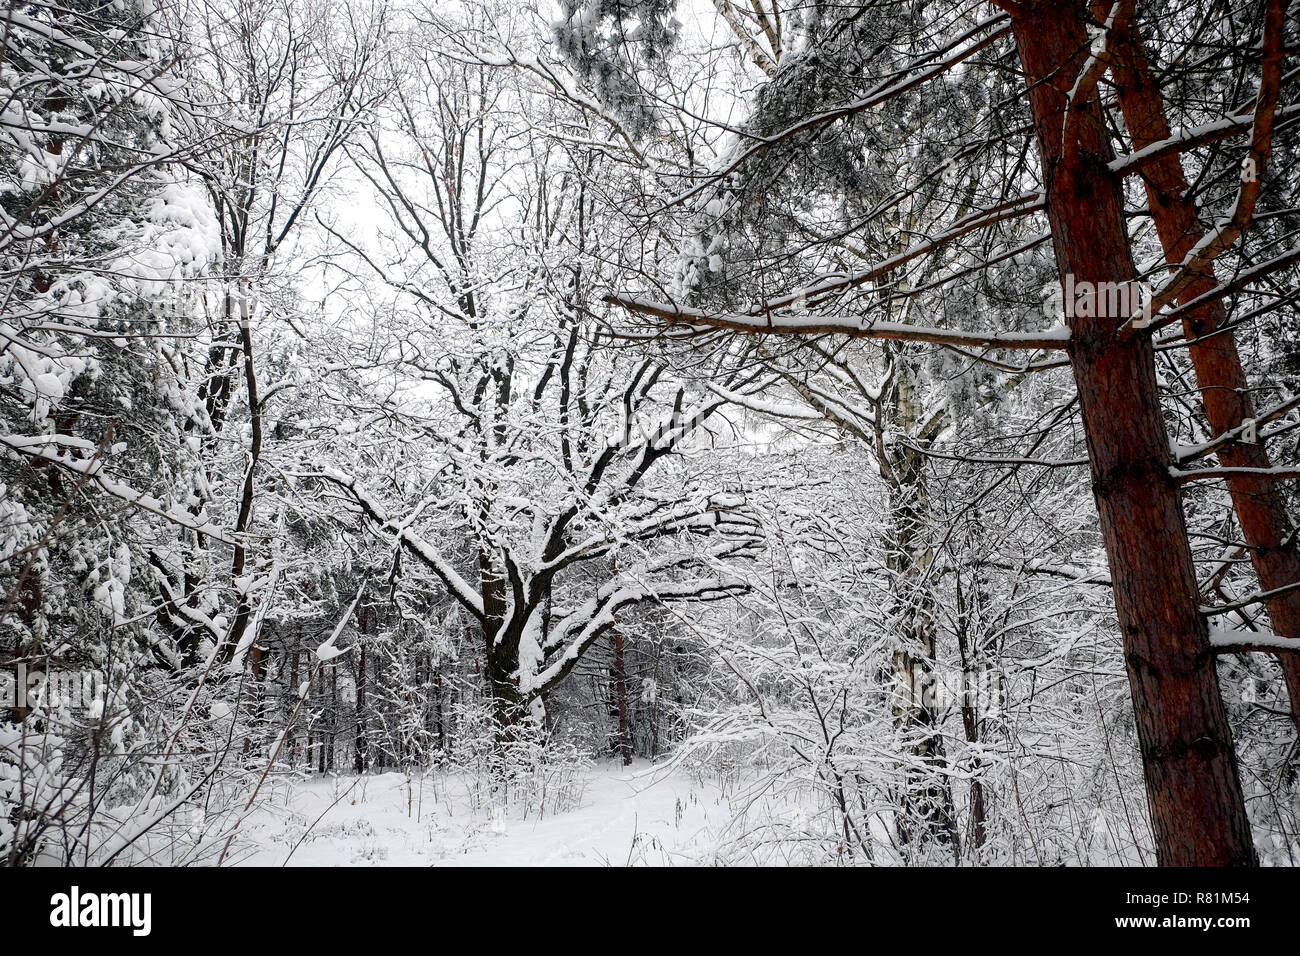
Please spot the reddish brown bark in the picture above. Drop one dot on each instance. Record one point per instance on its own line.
(1198, 814)
(1221, 380)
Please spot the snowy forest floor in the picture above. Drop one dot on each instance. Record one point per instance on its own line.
(602, 815)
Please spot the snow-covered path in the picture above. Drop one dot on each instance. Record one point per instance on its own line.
(637, 815)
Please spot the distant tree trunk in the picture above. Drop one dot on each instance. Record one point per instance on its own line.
(969, 716)
(1198, 814)
(248, 495)
(334, 711)
(620, 698)
(439, 725)
(1221, 380)
(657, 675)
(360, 743)
(291, 738)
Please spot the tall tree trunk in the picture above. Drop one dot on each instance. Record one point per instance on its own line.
(248, 494)
(1198, 814)
(928, 808)
(1220, 378)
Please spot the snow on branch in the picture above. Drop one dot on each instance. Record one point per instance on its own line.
(579, 629)
(46, 448)
(1240, 642)
(1249, 432)
(901, 82)
(778, 324)
(1259, 597)
(1277, 473)
(422, 549)
(1218, 240)
(1204, 134)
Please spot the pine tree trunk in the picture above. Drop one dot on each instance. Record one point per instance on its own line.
(1198, 814)
(1220, 378)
